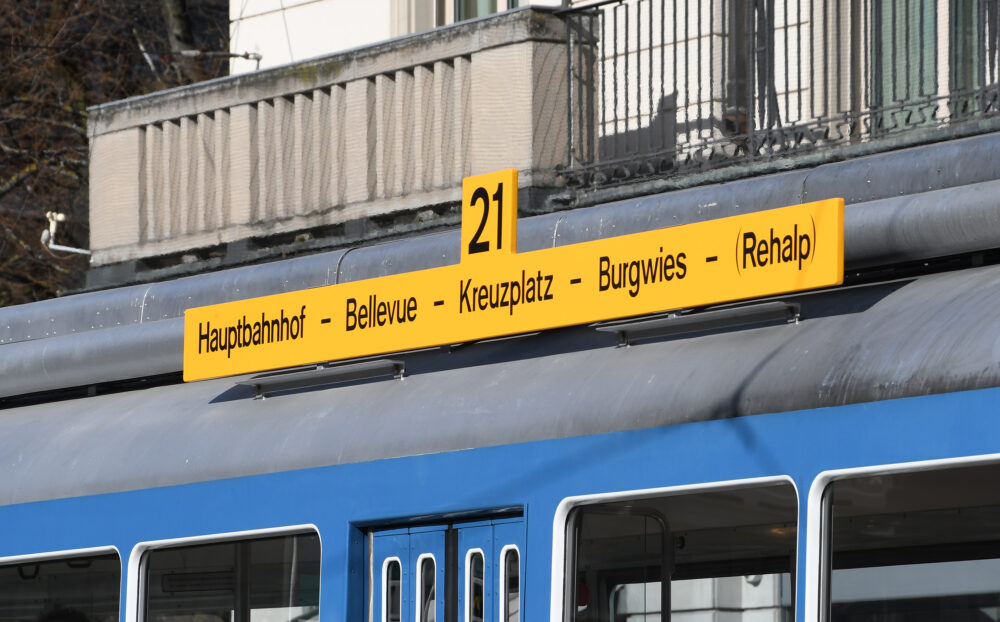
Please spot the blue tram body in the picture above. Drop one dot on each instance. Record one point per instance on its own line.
(555, 476)
(341, 501)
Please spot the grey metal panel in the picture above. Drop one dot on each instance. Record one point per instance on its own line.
(681, 207)
(912, 171)
(406, 255)
(539, 232)
(170, 298)
(439, 249)
(934, 334)
(907, 171)
(80, 349)
(92, 357)
(921, 226)
(157, 301)
(72, 314)
(685, 206)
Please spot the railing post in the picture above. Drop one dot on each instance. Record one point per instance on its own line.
(571, 26)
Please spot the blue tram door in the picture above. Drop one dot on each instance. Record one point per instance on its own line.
(508, 547)
(459, 572)
(408, 575)
(490, 570)
(475, 542)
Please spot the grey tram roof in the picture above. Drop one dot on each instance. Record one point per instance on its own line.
(910, 336)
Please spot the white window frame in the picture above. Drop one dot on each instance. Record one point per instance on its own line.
(420, 584)
(468, 582)
(135, 561)
(502, 591)
(556, 612)
(385, 586)
(49, 556)
(814, 515)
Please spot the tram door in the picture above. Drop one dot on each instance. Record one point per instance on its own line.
(459, 572)
(409, 569)
(490, 571)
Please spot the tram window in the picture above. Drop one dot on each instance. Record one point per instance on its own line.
(511, 582)
(393, 597)
(717, 554)
(263, 580)
(922, 546)
(426, 589)
(474, 587)
(75, 589)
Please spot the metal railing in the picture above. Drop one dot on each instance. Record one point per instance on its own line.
(662, 87)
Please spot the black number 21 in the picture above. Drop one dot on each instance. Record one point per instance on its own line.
(481, 246)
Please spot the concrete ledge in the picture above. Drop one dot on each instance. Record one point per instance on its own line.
(462, 39)
(384, 208)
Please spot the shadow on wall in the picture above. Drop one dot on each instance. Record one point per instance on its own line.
(660, 136)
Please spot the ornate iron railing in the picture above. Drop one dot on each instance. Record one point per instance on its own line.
(664, 87)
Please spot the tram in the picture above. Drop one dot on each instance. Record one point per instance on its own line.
(835, 461)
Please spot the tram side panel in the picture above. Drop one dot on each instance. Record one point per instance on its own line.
(613, 525)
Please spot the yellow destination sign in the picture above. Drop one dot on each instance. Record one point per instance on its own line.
(495, 291)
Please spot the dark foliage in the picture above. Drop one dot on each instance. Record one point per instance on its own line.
(57, 57)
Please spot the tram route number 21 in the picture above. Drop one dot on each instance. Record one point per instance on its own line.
(489, 204)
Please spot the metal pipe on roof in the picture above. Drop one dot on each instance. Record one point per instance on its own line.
(92, 357)
(136, 331)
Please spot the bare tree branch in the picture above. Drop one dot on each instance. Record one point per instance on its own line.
(57, 57)
(17, 178)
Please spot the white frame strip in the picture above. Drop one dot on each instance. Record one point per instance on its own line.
(56, 555)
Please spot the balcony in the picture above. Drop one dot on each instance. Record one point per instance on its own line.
(671, 88)
(366, 143)
(597, 102)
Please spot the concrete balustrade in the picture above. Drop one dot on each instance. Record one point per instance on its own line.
(361, 134)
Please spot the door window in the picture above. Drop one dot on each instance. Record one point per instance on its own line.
(919, 545)
(717, 553)
(474, 578)
(392, 594)
(426, 593)
(272, 579)
(510, 584)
